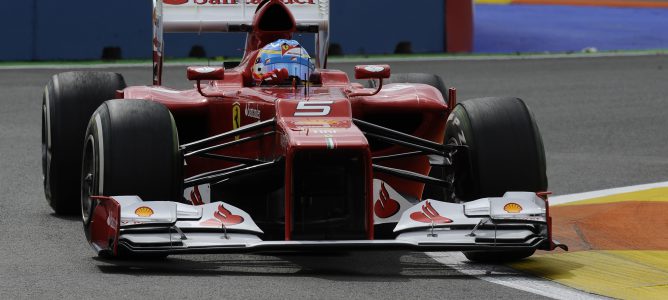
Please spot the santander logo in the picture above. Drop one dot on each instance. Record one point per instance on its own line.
(429, 215)
(175, 2)
(223, 217)
(385, 206)
(224, 2)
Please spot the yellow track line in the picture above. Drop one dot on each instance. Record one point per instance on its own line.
(620, 274)
(655, 194)
(625, 274)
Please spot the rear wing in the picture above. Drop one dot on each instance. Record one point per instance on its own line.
(231, 16)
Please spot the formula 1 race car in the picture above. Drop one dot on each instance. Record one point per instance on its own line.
(281, 154)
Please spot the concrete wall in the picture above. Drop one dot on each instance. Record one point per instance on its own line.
(80, 29)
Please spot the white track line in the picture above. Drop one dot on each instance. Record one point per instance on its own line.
(556, 200)
(509, 277)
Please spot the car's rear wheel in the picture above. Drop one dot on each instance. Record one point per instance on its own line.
(505, 151)
(131, 148)
(68, 102)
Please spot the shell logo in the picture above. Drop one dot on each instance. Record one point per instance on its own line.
(512, 208)
(144, 211)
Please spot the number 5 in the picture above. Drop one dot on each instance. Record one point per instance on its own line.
(314, 108)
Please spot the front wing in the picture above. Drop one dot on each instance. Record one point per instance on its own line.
(516, 221)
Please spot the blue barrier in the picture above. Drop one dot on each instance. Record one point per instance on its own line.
(80, 29)
(538, 28)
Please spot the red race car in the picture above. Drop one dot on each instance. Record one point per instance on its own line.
(280, 153)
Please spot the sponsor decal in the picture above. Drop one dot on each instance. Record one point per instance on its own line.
(127, 222)
(374, 69)
(236, 117)
(318, 123)
(222, 216)
(385, 206)
(429, 215)
(324, 131)
(175, 2)
(227, 2)
(144, 211)
(196, 196)
(252, 111)
(512, 208)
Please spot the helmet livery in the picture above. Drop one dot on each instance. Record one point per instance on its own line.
(282, 54)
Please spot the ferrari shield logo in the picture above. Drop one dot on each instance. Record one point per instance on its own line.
(236, 117)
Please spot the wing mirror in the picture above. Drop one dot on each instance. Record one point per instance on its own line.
(372, 72)
(205, 73)
(379, 72)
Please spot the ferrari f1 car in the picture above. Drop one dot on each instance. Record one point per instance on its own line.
(281, 154)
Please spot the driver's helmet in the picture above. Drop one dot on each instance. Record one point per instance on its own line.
(282, 54)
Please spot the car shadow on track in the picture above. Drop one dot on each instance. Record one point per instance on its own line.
(344, 266)
(339, 266)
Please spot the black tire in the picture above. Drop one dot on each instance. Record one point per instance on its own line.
(140, 153)
(505, 151)
(505, 148)
(68, 102)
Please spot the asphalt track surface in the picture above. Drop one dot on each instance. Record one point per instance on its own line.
(603, 122)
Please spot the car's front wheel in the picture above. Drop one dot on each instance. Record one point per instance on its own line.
(505, 152)
(131, 148)
(69, 100)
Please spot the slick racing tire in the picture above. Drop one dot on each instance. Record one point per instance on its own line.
(131, 148)
(68, 102)
(430, 191)
(505, 152)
